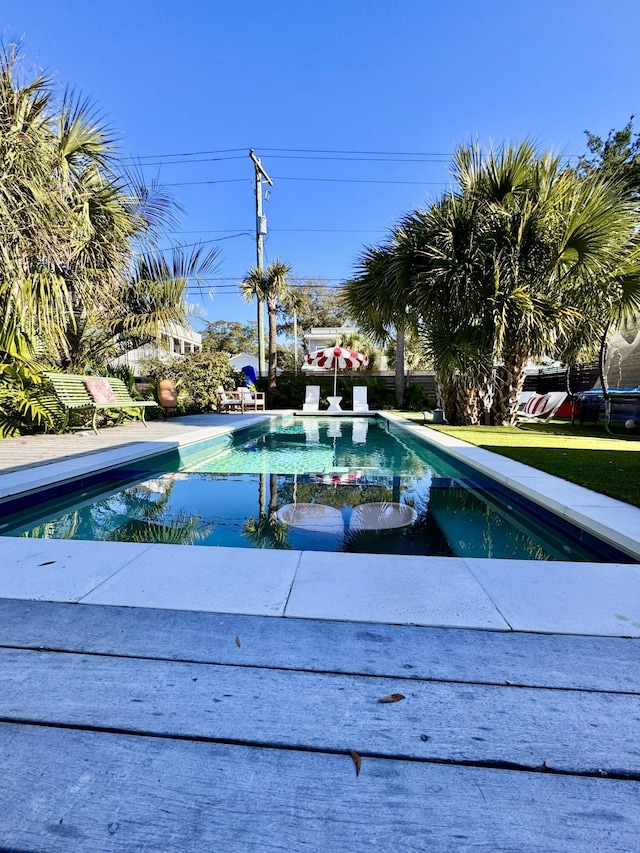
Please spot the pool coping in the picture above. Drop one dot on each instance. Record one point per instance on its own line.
(588, 598)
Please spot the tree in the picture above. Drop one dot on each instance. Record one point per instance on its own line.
(80, 277)
(230, 337)
(524, 259)
(379, 296)
(292, 305)
(617, 157)
(272, 286)
(315, 306)
(197, 376)
(524, 248)
(152, 297)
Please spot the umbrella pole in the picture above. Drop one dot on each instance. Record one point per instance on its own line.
(335, 378)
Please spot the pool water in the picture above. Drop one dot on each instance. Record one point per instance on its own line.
(347, 484)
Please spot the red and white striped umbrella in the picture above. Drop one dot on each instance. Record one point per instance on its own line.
(333, 358)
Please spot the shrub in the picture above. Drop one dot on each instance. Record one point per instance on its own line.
(417, 399)
(27, 405)
(197, 376)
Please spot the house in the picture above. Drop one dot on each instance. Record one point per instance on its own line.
(327, 336)
(244, 359)
(173, 341)
(322, 337)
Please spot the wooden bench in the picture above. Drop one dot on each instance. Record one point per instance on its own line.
(72, 393)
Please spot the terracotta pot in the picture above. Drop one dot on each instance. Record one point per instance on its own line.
(167, 394)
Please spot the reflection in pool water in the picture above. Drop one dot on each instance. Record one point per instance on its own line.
(382, 491)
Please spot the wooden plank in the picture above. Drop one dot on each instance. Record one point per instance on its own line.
(590, 663)
(85, 792)
(570, 731)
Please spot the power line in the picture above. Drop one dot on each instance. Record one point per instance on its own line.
(188, 153)
(199, 283)
(188, 162)
(287, 230)
(363, 181)
(308, 151)
(320, 180)
(197, 243)
(361, 159)
(222, 181)
(347, 159)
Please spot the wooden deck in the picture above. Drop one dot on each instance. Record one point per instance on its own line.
(127, 729)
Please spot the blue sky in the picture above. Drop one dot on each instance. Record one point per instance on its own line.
(299, 81)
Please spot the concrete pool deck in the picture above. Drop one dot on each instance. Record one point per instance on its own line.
(598, 599)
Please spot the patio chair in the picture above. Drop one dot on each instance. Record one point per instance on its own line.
(227, 403)
(360, 403)
(252, 401)
(542, 407)
(311, 399)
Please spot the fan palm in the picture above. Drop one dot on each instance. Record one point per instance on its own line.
(513, 260)
(291, 305)
(270, 286)
(71, 226)
(379, 296)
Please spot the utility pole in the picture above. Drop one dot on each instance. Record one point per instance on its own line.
(261, 230)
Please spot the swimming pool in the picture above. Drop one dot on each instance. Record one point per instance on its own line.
(359, 485)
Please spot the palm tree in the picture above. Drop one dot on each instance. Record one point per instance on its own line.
(524, 259)
(271, 286)
(512, 260)
(72, 225)
(291, 305)
(152, 297)
(266, 530)
(378, 297)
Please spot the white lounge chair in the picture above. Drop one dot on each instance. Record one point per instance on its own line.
(360, 403)
(311, 399)
(542, 407)
(524, 398)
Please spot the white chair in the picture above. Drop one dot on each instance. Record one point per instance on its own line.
(311, 399)
(542, 407)
(252, 402)
(227, 403)
(360, 403)
(381, 516)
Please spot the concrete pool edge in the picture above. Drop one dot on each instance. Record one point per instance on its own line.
(575, 598)
(593, 599)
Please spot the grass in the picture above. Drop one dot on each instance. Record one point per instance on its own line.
(585, 455)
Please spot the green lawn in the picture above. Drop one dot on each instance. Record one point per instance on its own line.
(584, 455)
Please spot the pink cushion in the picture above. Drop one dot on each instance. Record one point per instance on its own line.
(100, 391)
